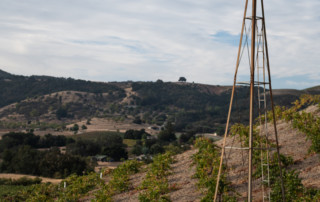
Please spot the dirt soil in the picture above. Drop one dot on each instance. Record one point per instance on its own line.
(292, 143)
(182, 172)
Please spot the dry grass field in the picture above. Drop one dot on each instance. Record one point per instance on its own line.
(18, 176)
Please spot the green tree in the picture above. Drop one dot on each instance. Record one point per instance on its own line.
(182, 79)
(167, 135)
(75, 128)
(83, 127)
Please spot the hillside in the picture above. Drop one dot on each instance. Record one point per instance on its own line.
(293, 144)
(52, 102)
(15, 88)
(188, 172)
(129, 182)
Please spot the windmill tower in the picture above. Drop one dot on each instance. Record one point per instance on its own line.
(253, 35)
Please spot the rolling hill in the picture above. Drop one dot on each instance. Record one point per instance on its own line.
(191, 106)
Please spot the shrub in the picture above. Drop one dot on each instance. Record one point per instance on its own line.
(156, 184)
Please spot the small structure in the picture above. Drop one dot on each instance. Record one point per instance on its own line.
(102, 158)
(154, 128)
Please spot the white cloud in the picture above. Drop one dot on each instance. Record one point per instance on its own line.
(146, 40)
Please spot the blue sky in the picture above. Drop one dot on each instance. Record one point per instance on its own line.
(119, 40)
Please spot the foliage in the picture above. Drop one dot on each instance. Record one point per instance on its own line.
(84, 127)
(243, 132)
(207, 161)
(119, 180)
(93, 143)
(62, 112)
(187, 137)
(191, 106)
(77, 186)
(84, 148)
(303, 121)
(183, 79)
(175, 149)
(30, 126)
(167, 135)
(38, 192)
(49, 163)
(156, 184)
(137, 150)
(129, 142)
(10, 192)
(137, 120)
(156, 149)
(135, 134)
(75, 128)
(292, 184)
(24, 181)
(12, 139)
(21, 87)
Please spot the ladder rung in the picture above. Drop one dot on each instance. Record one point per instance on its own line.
(257, 18)
(247, 148)
(261, 82)
(265, 164)
(248, 83)
(243, 83)
(259, 148)
(240, 148)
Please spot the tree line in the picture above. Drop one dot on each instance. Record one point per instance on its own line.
(19, 153)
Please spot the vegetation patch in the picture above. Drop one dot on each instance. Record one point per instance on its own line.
(156, 185)
(119, 181)
(207, 161)
(303, 121)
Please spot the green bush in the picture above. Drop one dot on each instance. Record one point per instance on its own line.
(292, 184)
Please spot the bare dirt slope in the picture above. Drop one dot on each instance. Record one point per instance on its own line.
(292, 143)
(182, 172)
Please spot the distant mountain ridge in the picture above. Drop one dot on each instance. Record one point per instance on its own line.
(17, 88)
(190, 106)
(5, 75)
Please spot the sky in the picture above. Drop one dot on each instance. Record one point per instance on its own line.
(146, 40)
